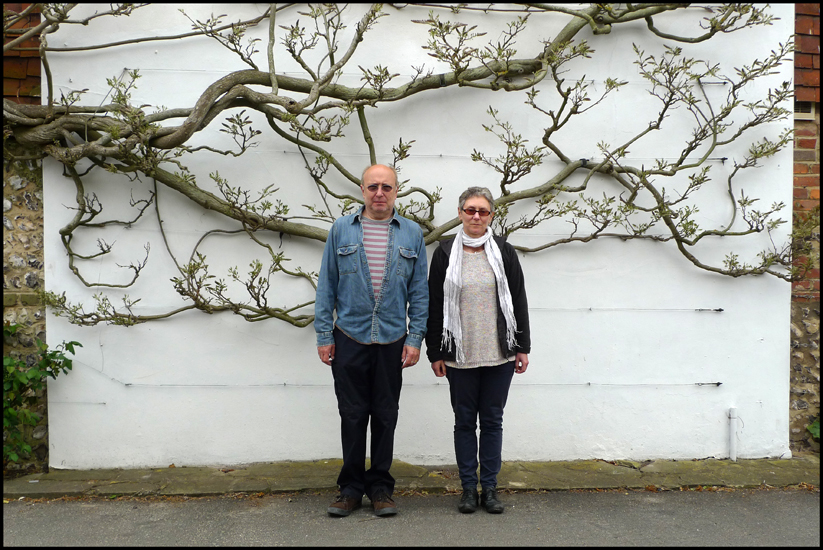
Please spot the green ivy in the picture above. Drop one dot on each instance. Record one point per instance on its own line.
(814, 429)
(21, 384)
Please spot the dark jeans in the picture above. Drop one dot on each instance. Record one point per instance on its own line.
(479, 392)
(367, 382)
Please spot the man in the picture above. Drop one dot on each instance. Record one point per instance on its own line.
(374, 266)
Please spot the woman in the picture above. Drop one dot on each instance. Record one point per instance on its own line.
(472, 275)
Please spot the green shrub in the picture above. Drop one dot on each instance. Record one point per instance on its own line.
(21, 384)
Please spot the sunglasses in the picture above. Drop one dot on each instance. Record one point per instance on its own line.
(387, 189)
(472, 211)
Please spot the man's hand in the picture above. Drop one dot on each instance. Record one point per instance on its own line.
(439, 368)
(326, 353)
(410, 356)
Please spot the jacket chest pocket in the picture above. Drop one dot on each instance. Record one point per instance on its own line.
(405, 262)
(347, 259)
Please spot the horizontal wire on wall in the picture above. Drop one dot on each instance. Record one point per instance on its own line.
(591, 161)
(434, 384)
(358, 77)
(711, 310)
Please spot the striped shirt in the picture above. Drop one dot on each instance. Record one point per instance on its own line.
(375, 240)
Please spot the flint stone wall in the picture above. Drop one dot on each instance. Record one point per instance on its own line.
(804, 402)
(22, 279)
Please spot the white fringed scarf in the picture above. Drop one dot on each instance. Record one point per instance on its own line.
(453, 284)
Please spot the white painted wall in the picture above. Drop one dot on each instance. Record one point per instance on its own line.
(618, 348)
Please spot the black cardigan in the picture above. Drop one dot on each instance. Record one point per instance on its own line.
(517, 287)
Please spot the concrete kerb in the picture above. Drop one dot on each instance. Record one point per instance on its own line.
(322, 475)
(593, 474)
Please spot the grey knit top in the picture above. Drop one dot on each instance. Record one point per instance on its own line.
(478, 314)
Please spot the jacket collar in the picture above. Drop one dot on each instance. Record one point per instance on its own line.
(395, 215)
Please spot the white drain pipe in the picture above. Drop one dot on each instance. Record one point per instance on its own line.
(733, 434)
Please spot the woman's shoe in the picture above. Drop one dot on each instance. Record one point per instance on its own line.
(468, 502)
(489, 501)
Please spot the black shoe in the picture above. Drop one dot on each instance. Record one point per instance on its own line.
(488, 499)
(468, 502)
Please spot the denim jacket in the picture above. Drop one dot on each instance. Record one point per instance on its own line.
(345, 285)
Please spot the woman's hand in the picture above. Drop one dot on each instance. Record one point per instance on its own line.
(439, 368)
(521, 363)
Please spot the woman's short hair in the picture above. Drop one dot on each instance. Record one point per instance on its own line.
(476, 192)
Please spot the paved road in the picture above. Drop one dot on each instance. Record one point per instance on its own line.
(612, 518)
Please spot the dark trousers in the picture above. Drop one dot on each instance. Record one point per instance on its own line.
(367, 382)
(479, 392)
